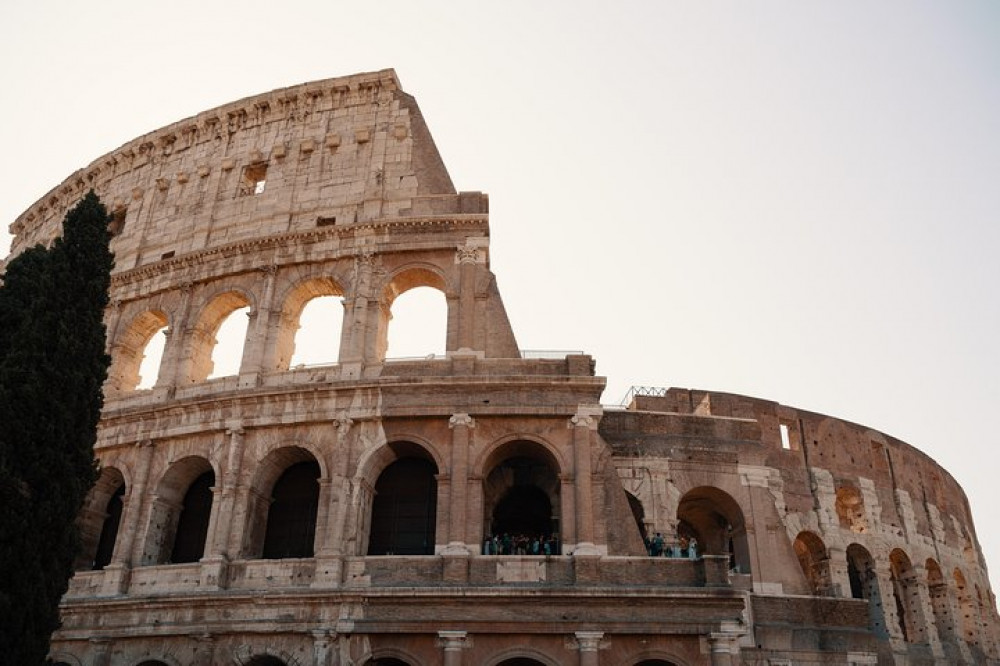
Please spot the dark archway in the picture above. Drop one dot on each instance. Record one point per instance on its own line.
(291, 519)
(404, 510)
(638, 513)
(152, 662)
(386, 661)
(712, 517)
(109, 530)
(520, 661)
(864, 585)
(655, 662)
(192, 526)
(523, 510)
(265, 660)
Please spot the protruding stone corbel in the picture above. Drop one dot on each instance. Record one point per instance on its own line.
(461, 420)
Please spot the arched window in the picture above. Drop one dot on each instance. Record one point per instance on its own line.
(109, 529)
(937, 588)
(291, 519)
(521, 500)
(203, 345)
(136, 354)
(715, 520)
(192, 527)
(99, 521)
(310, 325)
(815, 563)
(419, 324)
(851, 509)
(905, 596)
(404, 509)
(179, 513)
(227, 354)
(864, 585)
(317, 340)
(265, 660)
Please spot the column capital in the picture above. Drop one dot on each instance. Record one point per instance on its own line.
(461, 420)
(454, 640)
(588, 641)
(472, 252)
(586, 416)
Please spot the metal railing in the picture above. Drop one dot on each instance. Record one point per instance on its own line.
(654, 391)
(549, 353)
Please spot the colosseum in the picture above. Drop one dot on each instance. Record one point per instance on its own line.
(478, 507)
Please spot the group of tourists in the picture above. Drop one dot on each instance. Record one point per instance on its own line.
(520, 544)
(683, 547)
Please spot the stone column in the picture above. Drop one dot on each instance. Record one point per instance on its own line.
(588, 643)
(725, 644)
(468, 257)
(258, 340)
(453, 643)
(220, 536)
(174, 356)
(204, 654)
(461, 425)
(840, 580)
(584, 424)
(101, 648)
(322, 648)
(116, 573)
(337, 498)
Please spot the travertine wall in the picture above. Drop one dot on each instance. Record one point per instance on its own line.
(845, 546)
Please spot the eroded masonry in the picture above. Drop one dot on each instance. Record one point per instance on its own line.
(476, 508)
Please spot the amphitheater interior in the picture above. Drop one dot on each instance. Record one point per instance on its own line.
(477, 506)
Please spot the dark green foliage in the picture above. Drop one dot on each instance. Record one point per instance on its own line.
(52, 368)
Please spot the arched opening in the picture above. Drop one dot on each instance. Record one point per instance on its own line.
(850, 507)
(313, 337)
(291, 519)
(655, 662)
(815, 562)
(109, 529)
(864, 585)
(714, 521)
(184, 489)
(317, 340)
(905, 597)
(937, 588)
(386, 661)
(638, 514)
(100, 520)
(203, 344)
(404, 508)
(419, 324)
(521, 501)
(521, 661)
(265, 660)
(227, 355)
(153, 662)
(192, 526)
(136, 355)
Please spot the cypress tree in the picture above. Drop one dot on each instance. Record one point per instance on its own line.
(52, 369)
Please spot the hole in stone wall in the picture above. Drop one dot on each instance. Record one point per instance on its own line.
(228, 351)
(317, 342)
(253, 180)
(149, 369)
(419, 324)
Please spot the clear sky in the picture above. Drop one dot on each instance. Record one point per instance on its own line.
(792, 200)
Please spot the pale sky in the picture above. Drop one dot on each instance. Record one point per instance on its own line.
(795, 201)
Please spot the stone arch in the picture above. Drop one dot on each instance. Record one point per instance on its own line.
(522, 491)
(169, 506)
(520, 657)
(864, 585)
(404, 502)
(815, 562)
(652, 657)
(201, 340)
(389, 656)
(967, 611)
(61, 658)
(715, 520)
(401, 281)
(100, 520)
(294, 473)
(850, 505)
(906, 596)
(129, 350)
(293, 302)
(265, 660)
(513, 444)
(937, 588)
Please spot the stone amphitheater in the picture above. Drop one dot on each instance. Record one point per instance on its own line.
(479, 507)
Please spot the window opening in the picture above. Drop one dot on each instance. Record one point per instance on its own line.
(317, 342)
(149, 368)
(419, 324)
(109, 531)
(229, 340)
(785, 441)
(404, 510)
(117, 222)
(254, 179)
(291, 520)
(192, 526)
